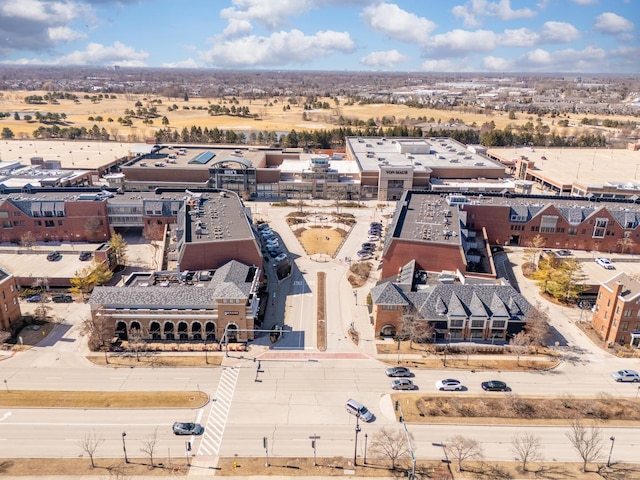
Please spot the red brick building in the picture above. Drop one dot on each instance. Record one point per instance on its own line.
(616, 315)
(10, 314)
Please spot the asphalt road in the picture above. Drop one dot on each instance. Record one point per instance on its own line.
(293, 391)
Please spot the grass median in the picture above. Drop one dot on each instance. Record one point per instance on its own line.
(83, 399)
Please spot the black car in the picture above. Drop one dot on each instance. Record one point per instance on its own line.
(84, 256)
(53, 256)
(62, 298)
(495, 386)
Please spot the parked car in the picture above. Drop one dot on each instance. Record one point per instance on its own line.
(398, 372)
(274, 252)
(267, 232)
(34, 298)
(263, 226)
(626, 376)
(183, 428)
(84, 256)
(564, 253)
(364, 254)
(359, 410)
(495, 386)
(605, 263)
(402, 384)
(368, 246)
(449, 384)
(374, 238)
(375, 224)
(62, 299)
(53, 256)
(273, 244)
(281, 257)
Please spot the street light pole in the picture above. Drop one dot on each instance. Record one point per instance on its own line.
(613, 440)
(124, 447)
(355, 450)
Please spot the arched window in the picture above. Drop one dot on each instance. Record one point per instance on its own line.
(169, 333)
(232, 332)
(196, 331)
(154, 330)
(210, 331)
(121, 331)
(183, 331)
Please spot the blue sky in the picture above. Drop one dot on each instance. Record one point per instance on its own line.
(587, 36)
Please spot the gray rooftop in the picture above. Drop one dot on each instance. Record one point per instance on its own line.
(168, 290)
(217, 217)
(428, 218)
(421, 154)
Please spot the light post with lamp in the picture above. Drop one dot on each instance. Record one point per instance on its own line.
(355, 450)
(613, 440)
(124, 448)
(365, 449)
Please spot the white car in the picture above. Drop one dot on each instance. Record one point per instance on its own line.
(626, 376)
(449, 384)
(373, 238)
(605, 263)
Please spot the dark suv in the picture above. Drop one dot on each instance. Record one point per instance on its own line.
(62, 298)
(85, 256)
(53, 256)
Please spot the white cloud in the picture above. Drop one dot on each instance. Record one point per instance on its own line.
(98, 54)
(460, 42)
(65, 34)
(41, 11)
(398, 24)
(386, 59)
(237, 27)
(472, 12)
(590, 59)
(280, 48)
(275, 13)
(612, 23)
(585, 2)
(559, 32)
(446, 66)
(522, 37)
(188, 63)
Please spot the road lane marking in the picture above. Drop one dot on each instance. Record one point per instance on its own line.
(218, 415)
(5, 416)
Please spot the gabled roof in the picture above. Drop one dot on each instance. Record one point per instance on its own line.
(388, 293)
(469, 300)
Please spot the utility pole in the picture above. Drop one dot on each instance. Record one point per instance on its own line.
(355, 450)
(314, 443)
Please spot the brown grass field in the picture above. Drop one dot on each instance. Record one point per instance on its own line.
(116, 360)
(271, 116)
(320, 239)
(303, 466)
(84, 399)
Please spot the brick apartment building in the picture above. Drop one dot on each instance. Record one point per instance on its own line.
(616, 314)
(10, 314)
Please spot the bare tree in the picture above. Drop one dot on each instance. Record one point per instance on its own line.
(149, 445)
(100, 328)
(462, 448)
(527, 448)
(531, 251)
(626, 244)
(586, 440)
(416, 329)
(390, 444)
(537, 326)
(89, 444)
(28, 240)
(519, 344)
(136, 341)
(470, 349)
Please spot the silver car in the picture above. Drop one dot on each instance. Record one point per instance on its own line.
(184, 428)
(626, 376)
(449, 384)
(402, 384)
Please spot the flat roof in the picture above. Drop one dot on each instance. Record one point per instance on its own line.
(198, 157)
(428, 219)
(587, 166)
(72, 155)
(218, 217)
(422, 154)
(303, 164)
